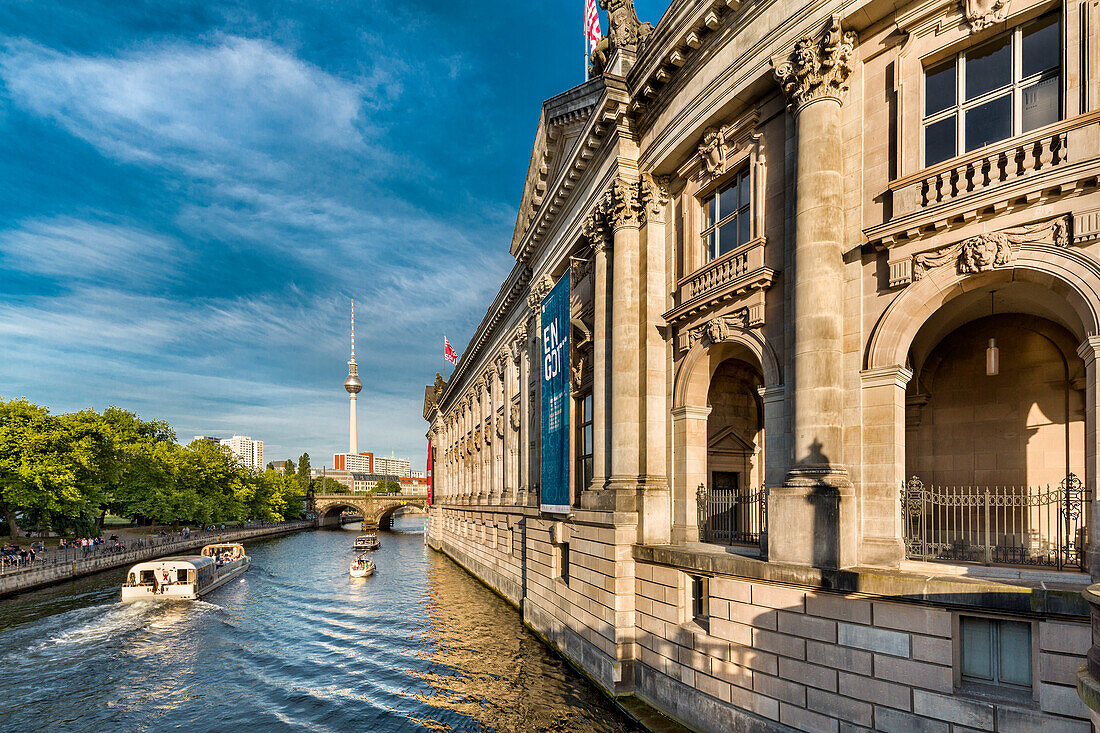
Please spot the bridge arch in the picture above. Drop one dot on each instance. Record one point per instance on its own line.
(376, 509)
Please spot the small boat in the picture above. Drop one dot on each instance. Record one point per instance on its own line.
(361, 568)
(185, 577)
(368, 541)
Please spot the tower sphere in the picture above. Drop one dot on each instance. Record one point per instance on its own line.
(352, 384)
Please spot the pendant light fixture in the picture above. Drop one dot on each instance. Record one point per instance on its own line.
(992, 353)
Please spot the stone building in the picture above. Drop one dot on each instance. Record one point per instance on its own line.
(835, 292)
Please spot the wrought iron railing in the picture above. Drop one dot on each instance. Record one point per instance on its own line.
(732, 516)
(996, 525)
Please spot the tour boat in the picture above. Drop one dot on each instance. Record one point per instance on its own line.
(367, 541)
(361, 568)
(186, 577)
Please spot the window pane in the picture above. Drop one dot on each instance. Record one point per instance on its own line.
(588, 407)
(727, 237)
(727, 203)
(1042, 103)
(977, 647)
(939, 87)
(588, 439)
(1015, 652)
(989, 122)
(743, 227)
(939, 141)
(988, 67)
(743, 185)
(1042, 45)
(708, 246)
(709, 210)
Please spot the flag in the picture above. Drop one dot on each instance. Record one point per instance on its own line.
(449, 352)
(591, 24)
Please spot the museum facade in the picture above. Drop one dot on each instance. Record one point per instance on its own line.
(833, 313)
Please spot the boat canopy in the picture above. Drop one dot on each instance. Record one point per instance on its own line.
(170, 563)
(233, 548)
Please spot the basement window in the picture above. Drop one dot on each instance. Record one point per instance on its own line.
(700, 599)
(995, 656)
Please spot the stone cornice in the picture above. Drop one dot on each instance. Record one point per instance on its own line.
(512, 291)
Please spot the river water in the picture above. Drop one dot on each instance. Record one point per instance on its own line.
(293, 644)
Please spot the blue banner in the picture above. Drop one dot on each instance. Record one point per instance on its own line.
(555, 399)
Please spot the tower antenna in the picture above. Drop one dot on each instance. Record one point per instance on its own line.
(353, 385)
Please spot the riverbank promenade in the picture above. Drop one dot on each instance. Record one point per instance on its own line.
(55, 565)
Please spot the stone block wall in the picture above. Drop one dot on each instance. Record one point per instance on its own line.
(487, 543)
(817, 661)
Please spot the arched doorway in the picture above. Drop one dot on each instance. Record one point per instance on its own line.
(726, 417)
(729, 510)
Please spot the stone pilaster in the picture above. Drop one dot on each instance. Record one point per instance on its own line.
(597, 234)
(882, 395)
(813, 515)
(1088, 351)
(689, 427)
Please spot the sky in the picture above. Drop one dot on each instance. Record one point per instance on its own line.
(192, 193)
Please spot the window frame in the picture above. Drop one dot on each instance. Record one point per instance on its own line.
(995, 689)
(698, 600)
(1014, 89)
(583, 462)
(732, 180)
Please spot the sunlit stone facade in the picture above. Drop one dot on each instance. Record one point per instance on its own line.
(836, 292)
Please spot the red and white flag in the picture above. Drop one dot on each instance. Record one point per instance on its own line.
(449, 352)
(591, 24)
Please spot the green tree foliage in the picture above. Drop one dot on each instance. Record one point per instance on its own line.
(303, 471)
(387, 486)
(326, 485)
(67, 471)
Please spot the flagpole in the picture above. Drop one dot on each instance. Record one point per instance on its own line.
(584, 35)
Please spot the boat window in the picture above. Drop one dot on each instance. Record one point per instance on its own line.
(148, 576)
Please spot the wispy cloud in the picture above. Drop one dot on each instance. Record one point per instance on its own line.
(229, 107)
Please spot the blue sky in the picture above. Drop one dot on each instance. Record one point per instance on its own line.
(191, 193)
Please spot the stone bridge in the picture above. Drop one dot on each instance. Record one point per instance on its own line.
(377, 509)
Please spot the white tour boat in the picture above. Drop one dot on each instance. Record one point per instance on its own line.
(368, 541)
(186, 577)
(361, 568)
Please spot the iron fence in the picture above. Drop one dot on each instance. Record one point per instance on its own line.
(732, 516)
(996, 525)
(14, 562)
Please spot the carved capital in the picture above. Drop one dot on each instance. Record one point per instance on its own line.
(626, 207)
(595, 231)
(654, 193)
(518, 343)
(980, 14)
(818, 68)
(539, 290)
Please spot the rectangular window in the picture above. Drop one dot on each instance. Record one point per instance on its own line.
(726, 215)
(563, 561)
(1006, 86)
(700, 599)
(995, 653)
(584, 442)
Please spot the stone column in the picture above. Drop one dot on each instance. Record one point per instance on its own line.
(882, 394)
(524, 416)
(596, 232)
(812, 516)
(1088, 351)
(625, 213)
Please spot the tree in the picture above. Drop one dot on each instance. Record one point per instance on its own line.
(38, 469)
(387, 486)
(288, 468)
(326, 485)
(303, 471)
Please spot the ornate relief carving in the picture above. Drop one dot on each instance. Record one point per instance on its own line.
(818, 68)
(539, 290)
(500, 424)
(477, 437)
(712, 152)
(488, 431)
(625, 31)
(991, 250)
(981, 14)
(579, 358)
(518, 343)
(579, 267)
(717, 329)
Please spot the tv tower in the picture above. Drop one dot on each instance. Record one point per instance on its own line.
(353, 385)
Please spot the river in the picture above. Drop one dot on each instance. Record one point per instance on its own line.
(293, 644)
